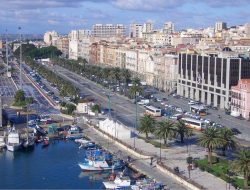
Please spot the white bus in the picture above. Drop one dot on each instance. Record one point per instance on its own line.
(151, 110)
(194, 123)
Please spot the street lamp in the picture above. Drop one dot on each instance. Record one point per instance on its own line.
(136, 114)
(7, 57)
(19, 28)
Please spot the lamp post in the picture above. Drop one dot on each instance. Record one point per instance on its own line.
(160, 150)
(20, 66)
(136, 113)
(7, 57)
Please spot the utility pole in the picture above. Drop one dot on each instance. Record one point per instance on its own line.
(20, 66)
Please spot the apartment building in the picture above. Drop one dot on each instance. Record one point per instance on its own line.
(166, 72)
(50, 38)
(240, 99)
(108, 30)
(62, 44)
(219, 26)
(209, 79)
(136, 31)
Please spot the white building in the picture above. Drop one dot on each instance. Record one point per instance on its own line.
(147, 27)
(219, 26)
(136, 30)
(168, 27)
(108, 30)
(50, 38)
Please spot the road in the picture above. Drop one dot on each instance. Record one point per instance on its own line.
(41, 106)
(124, 108)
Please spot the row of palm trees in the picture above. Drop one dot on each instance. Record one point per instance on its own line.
(213, 138)
(111, 74)
(164, 129)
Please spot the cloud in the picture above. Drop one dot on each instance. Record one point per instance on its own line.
(147, 5)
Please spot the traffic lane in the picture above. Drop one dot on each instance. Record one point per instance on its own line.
(97, 92)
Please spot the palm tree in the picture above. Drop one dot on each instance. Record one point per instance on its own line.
(210, 139)
(165, 130)
(242, 165)
(182, 130)
(147, 124)
(229, 140)
(136, 87)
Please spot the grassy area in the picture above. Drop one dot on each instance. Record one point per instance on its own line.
(154, 143)
(20, 104)
(220, 169)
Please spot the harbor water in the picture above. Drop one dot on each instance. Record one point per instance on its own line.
(53, 167)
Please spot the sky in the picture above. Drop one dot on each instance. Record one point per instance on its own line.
(39, 16)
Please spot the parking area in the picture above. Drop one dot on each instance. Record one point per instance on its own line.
(7, 87)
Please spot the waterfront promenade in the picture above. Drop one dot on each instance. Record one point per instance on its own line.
(172, 157)
(142, 165)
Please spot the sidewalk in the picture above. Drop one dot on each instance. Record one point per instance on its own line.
(172, 157)
(142, 165)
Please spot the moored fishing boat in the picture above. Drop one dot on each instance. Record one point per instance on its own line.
(74, 133)
(45, 142)
(13, 141)
(120, 182)
(100, 160)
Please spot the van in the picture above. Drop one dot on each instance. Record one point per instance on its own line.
(176, 116)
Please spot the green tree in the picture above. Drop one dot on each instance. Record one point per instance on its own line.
(95, 108)
(211, 139)
(229, 140)
(135, 88)
(147, 125)
(182, 130)
(19, 96)
(165, 130)
(242, 165)
(70, 108)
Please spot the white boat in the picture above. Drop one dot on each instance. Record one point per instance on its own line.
(100, 165)
(2, 142)
(13, 141)
(82, 141)
(74, 133)
(120, 182)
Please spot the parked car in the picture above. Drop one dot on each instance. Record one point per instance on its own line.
(214, 108)
(179, 110)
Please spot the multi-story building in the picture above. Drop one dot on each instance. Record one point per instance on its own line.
(147, 27)
(50, 38)
(136, 31)
(240, 99)
(209, 79)
(168, 27)
(166, 72)
(1, 44)
(219, 26)
(108, 30)
(78, 44)
(63, 45)
(158, 38)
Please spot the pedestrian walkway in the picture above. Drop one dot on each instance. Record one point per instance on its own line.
(172, 157)
(142, 165)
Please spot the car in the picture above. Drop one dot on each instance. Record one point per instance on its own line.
(179, 110)
(158, 99)
(192, 102)
(235, 131)
(214, 108)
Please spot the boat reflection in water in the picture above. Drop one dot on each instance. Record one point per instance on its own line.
(95, 175)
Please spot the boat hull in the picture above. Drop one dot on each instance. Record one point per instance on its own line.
(13, 148)
(85, 167)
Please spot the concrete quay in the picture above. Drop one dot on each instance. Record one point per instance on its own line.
(140, 164)
(163, 171)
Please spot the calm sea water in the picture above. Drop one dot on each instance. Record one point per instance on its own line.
(54, 167)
